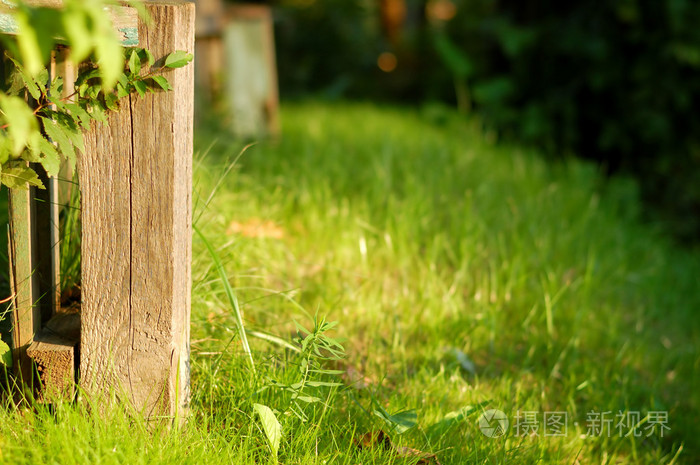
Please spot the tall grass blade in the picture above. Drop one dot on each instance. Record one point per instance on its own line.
(233, 300)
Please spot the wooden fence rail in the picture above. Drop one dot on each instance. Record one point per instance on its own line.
(135, 180)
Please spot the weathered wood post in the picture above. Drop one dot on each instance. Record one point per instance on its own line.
(33, 249)
(136, 181)
(251, 71)
(236, 68)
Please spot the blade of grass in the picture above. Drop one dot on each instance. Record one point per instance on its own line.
(233, 300)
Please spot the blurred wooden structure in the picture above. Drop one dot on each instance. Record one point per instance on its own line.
(130, 337)
(236, 72)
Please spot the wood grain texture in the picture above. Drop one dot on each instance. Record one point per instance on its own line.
(136, 182)
(26, 316)
(54, 355)
(47, 246)
(68, 71)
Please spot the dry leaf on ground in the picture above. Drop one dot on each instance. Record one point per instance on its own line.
(256, 228)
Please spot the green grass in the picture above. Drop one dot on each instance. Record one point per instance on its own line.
(432, 247)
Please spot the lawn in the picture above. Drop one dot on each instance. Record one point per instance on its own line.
(464, 275)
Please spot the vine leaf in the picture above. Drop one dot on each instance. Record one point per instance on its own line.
(42, 151)
(140, 87)
(62, 136)
(5, 354)
(28, 43)
(22, 79)
(162, 83)
(75, 24)
(79, 114)
(16, 111)
(145, 56)
(109, 59)
(178, 59)
(134, 62)
(51, 129)
(20, 177)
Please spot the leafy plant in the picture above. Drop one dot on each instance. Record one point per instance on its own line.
(271, 427)
(5, 354)
(52, 130)
(312, 376)
(399, 422)
(39, 122)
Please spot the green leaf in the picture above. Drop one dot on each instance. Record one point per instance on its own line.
(5, 354)
(56, 89)
(20, 177)
(79, 114)
(109, 58)
(322, 383)
(16, 82)
(122, 91)
(77, 32)
(178, 59)
(97, 112)
(28, 43)
(50, 159)
(162, 82)
(146, 56)
(111, 100)
(76, 137)
(134, 62)
(21, 79)
(457, 416)
(61, 135)
(4, 149)
(20, 120)
(399, 422)
(140, 87)
(123, 86)
(85, 76)
(455, 59)
(42, 80)
(271, 427)
(307, 399)
(33, 154)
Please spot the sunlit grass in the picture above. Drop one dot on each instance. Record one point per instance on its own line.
(460, 271)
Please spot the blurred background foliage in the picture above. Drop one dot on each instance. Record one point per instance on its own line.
(617, 82)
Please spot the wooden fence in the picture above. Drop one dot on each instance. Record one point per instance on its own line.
(130, 337)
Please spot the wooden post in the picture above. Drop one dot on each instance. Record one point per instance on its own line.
(251, 72)
(236, 71)
(53, 354)
(136, 179)
(209, 52)
(34, 253)
(26, 315)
